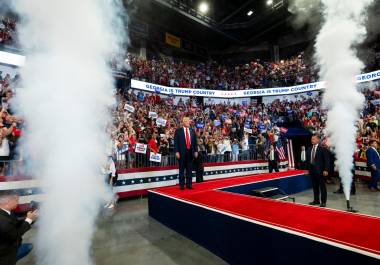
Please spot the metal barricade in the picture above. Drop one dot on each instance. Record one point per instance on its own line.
(135, 160)
(13, 168)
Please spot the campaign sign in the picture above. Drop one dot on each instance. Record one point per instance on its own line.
(123, 149)
(161, 122)
(200, 125)
(247, 130)
(141, 148)
(129, 108)
(155, 157)
(153, 115)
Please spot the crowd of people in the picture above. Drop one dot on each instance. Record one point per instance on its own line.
(10, 125)
(213, 75)
(7, 30)
(225, 131)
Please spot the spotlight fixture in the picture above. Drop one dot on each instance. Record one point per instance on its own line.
(250, 12)
(203, 7)
(270, 2)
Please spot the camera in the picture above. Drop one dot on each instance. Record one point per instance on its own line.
(34, 205)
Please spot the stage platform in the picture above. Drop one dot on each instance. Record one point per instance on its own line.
(242, 229)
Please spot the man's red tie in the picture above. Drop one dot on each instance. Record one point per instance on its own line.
(187, 139)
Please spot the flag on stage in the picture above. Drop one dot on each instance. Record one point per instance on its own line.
(280, 150)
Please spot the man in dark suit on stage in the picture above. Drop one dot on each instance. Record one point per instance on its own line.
(273, 159)
(373, 163)
(12, 229)
(318, 166)
(185, 144)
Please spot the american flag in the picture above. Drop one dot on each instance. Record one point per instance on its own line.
(283, 130)
(280, 150)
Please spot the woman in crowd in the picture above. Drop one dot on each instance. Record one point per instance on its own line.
(153, 147)
(235, 150)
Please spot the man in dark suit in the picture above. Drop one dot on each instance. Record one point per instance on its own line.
(273, 159)
(11, 229)
(186, 150)
(373, 163)
(318, 166)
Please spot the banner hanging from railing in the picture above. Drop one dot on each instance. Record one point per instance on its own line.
(175, 91)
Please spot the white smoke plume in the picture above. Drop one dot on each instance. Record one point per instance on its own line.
(343, 29)
(67, 86)
(305, 12)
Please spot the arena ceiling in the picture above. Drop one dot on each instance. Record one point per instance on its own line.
(226, 23)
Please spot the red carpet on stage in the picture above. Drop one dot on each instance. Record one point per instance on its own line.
(346, 230)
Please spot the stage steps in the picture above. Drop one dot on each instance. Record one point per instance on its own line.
(273, 193)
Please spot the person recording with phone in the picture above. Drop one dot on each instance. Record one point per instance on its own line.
(12, 229)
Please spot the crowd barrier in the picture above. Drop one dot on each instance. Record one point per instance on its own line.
(125, 160)
(137, 181)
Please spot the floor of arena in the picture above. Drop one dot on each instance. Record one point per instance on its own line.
(128, 235)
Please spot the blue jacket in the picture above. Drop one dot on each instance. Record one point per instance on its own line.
(372, 158)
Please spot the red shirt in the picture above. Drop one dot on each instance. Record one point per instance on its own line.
(132, 143)
(153, 145)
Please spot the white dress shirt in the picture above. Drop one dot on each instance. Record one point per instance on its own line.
(303, 155)
(272, 155)
(315, 153)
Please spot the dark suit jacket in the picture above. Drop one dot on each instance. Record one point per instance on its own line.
(321, 161)
(11, 231)
(180, 141)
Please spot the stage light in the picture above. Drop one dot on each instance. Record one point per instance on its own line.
(269, 2)
(250, 12)
(203, 7)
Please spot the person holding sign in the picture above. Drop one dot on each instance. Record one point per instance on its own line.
(153, 147)
(185, 144)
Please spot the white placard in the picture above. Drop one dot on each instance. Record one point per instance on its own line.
(129, 108)
(155, 157)
(247, 130)
(153, 115)
(141, 148)
(161, 122)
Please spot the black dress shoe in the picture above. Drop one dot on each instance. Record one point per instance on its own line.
(182, 188)
(338, 192)
(189, 187)
(323, 205)
(314, 203)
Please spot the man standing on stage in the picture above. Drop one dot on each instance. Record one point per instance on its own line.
(185, 144)
(273, 159)
(318, 166)
(373, 163)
